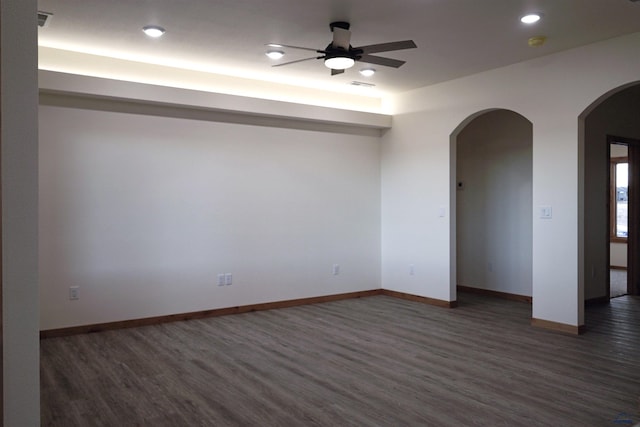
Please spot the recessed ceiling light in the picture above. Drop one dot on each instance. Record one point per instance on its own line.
(275, 54)
(339, 62)
(153, 31)
(368, 72)
(532, 18)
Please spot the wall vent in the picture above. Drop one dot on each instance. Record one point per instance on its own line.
(44, 18)
(355, 83)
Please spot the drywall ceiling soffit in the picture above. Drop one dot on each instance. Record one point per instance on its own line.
(112, 95)
(454, 37)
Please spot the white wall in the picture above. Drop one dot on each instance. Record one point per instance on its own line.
(615, 116)
(618, 255)
(19, 95)
(415, 193)
(142, 212)
(494, 220)
(417, 172)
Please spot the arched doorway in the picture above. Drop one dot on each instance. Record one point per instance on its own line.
(493, 200)
(609, 127)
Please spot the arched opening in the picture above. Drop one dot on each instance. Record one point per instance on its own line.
(609, 143)
(492, 179)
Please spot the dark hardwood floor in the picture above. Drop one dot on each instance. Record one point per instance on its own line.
(375, 361)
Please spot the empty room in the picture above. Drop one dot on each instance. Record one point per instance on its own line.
(319, 213)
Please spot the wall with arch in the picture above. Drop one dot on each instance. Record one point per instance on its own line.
(418, 171)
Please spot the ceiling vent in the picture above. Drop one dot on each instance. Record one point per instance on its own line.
(363, 84)
(44, 18)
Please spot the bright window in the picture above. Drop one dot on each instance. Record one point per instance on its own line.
(620, 196)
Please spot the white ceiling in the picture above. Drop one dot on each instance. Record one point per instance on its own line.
(454, 37)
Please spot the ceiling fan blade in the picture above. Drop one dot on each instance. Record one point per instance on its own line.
(387, 47)
(335, 72)
(341, 38)
(379, 60)
(297, 60)
(276, 45)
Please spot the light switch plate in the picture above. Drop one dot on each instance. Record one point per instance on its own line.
(546, 212)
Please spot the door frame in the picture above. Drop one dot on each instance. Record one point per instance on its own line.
(633, 265)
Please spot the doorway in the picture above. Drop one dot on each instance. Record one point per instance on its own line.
(494, 160)
(624, 179)
(618, 216)
(610, 128)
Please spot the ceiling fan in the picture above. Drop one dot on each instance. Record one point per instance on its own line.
(340, 55)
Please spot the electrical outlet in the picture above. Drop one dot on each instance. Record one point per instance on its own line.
(74, 292)
(221, 280)
(228, 279)
(412, 270)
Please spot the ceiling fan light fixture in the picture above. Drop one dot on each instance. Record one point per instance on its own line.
(275, 54)
(339, 62)
(368, 72)
(153, 31)
(530, 18)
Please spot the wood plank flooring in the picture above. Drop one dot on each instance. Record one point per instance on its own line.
(618, 281)
(375, 361)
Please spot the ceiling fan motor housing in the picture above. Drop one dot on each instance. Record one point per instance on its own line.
(339, 24)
